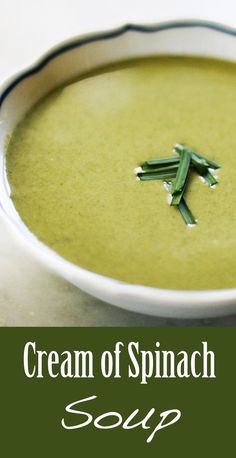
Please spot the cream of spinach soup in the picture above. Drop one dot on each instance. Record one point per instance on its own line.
(82, 178)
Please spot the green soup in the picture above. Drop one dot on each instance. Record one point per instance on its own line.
(71, 160)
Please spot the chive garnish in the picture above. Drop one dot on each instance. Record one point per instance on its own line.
(156, 176)
(186, 213)
(182, 173)
(180, 148)
(162, 162)
(209, 178)
(210, 164)
(200, 164)
(177, 170)
(148, 169)
(176, 198)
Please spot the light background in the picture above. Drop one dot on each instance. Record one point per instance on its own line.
(29, 295)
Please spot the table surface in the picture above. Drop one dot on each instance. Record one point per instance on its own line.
(29, 294)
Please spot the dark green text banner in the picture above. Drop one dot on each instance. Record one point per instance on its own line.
(115, 392)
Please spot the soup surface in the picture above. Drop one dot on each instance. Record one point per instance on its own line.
(71, 160)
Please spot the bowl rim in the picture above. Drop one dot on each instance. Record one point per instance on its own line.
(172, 297)
(105, 34)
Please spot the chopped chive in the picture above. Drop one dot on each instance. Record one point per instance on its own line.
(168, 168)
(209, 178)
(186, 213)
(200, 168)
(211, 164)
(162, 162)
(182, 173)
(178, 167)
(176, 198)
(200, 164)
(156, 176)
(180, 148)
(204, 172)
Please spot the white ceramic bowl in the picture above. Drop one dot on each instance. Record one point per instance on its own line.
(65, 62)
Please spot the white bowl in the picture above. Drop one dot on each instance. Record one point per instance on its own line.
(68, 60)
